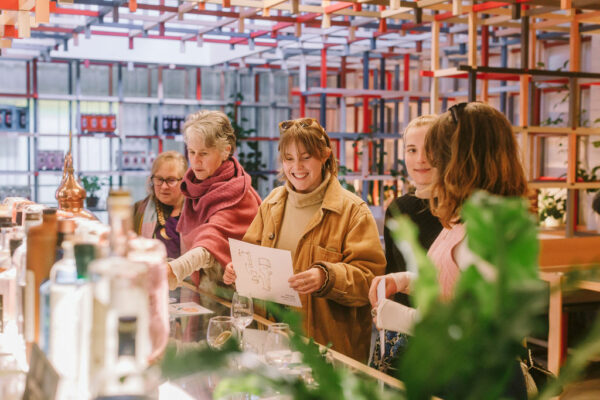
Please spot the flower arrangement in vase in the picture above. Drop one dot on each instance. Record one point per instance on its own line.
(552, 207)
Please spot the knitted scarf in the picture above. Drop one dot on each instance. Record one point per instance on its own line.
(216, 209)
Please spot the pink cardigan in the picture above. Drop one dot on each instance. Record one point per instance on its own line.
(442, 254)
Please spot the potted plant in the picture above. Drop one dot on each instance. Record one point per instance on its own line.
(552, 207)
(92, 185)
(464, 347)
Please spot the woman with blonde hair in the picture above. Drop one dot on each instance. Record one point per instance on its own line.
(473, 147)
(220, 202)
(331, 234)
(416, 207)
(157, 215)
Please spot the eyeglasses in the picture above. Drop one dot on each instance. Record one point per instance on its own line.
(303, 122)
(158, 181)
(456, 111)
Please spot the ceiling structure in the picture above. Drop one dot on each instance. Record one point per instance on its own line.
(274, 33)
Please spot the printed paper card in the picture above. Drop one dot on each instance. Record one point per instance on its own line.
(189, 308)
(263, 273)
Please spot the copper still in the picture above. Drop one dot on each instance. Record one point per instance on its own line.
(70, 194)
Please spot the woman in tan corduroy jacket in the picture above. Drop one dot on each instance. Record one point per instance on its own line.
(332, 235)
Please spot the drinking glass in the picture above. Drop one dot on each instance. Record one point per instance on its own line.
(277, 345)
(220, 329)
(242, 313)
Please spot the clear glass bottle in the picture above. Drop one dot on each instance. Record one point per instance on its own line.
(153, 253)
(120, 296)
(63, 324)
(32, 217)
(8, 283)
(66, 229)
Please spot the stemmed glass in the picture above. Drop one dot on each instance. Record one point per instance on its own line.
(242, 313)
(220, 329)
(277, 345)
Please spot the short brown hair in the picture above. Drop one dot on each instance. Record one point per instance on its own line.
(478, 150)
(172, 155)
(212, 127)
(310, 134)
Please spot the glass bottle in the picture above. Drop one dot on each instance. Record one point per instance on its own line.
(120, 296)
(8, 281)
(153, 253)
(63, 324)
(41, 250)
(65, 230)
(32, 217)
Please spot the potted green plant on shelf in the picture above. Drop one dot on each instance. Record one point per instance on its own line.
(552, 207)
(92, 184)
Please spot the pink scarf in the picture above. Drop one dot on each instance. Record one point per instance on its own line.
(216, 209)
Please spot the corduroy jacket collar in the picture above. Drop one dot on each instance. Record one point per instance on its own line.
(332, 200)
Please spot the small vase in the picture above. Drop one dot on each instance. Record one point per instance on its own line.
(551, 222)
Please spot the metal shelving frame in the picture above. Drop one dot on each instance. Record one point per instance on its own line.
(75, 99)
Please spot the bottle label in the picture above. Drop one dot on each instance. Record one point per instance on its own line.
(127, 333)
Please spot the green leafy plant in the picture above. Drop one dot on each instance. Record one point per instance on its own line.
(92, 184)
(249, 153)
(467, 348)
(463, 348)
(343, 171)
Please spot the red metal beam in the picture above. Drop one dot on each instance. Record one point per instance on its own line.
(198, 84)
(12, 5)
(10, 31)
(406, 83)
(478, 8)
(44, 28)
(302, 106)
(485, 45)
(71, 11)
(323, 68)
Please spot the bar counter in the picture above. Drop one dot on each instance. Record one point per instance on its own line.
(187, 330)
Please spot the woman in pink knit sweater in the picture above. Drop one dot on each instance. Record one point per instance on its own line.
(473, 147)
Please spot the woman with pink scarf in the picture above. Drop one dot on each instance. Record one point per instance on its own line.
(220, 202)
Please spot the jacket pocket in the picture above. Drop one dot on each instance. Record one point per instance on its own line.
(322, 254)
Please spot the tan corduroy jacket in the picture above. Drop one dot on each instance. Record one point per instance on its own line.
(342, 236)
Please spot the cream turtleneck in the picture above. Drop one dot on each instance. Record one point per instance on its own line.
(299, 210)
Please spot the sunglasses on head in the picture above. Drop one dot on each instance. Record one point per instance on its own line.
(303, 123)
(456, 111)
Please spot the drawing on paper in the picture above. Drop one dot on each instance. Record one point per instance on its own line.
(263, 272)
(260, 274)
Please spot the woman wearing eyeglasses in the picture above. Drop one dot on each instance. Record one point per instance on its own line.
(220, 202)
(331, 234)
(158, 214)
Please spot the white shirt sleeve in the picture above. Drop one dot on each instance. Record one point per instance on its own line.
(403, 280)
(194, 260)
(396, 317)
